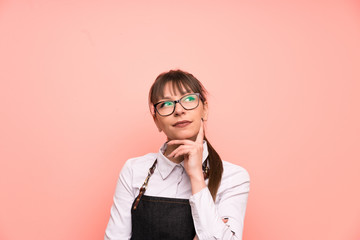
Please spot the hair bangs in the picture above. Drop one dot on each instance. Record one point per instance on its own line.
(180, 82)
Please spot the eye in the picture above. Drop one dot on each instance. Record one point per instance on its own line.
(189, 98)
(166, 104)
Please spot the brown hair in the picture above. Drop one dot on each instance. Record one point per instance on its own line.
(179, 80)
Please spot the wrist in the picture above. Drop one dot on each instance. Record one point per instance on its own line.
(197, 183)
(196, 174)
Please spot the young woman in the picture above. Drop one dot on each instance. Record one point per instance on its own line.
(185, 191)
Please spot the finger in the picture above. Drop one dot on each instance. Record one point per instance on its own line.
(200, 136)
(182, 142)
(181, 149)
(182, 152)
(186, 148)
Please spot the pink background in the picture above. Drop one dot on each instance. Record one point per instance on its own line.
(284, 102)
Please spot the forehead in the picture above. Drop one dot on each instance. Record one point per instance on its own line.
(172, 89)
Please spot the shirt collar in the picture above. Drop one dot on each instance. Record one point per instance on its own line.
(165, 166)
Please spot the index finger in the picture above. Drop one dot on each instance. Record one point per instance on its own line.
(200, 136)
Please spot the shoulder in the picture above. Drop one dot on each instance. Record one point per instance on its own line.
(234, 174)
(140, 161)
(138, 164)
(235, 181)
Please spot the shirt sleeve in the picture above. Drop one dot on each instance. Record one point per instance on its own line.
(208, 216)
(119, 225)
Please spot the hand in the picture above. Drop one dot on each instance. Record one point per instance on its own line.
(192, 152)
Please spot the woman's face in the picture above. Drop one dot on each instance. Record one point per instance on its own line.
(168, 124)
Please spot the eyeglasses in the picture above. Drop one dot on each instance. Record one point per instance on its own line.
(188, 102)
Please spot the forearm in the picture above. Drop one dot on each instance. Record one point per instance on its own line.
(197, 183)
(207, 220)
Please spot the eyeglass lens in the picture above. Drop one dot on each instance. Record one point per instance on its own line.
(188, 102)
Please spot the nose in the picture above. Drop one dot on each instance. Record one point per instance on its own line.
(178, 109)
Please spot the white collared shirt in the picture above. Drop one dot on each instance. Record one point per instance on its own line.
(171, 180)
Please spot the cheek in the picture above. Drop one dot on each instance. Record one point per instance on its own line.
(199, 113)
(163, 124)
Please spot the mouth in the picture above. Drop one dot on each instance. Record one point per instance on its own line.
(182, 123)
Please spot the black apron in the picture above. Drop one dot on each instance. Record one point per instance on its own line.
(161, 218)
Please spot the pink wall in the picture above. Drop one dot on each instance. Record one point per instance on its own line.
(284, 104)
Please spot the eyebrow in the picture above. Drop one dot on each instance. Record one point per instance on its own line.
(167, 97)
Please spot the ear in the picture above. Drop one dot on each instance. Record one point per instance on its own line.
(205, 111)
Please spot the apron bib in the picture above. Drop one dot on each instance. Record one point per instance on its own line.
(161, 218)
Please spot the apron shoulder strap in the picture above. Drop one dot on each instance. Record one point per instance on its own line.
(144, 186)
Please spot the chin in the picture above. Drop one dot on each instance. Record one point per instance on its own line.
(184, 136)
(181, 134)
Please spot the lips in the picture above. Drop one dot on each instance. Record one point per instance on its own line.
(182, 123)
